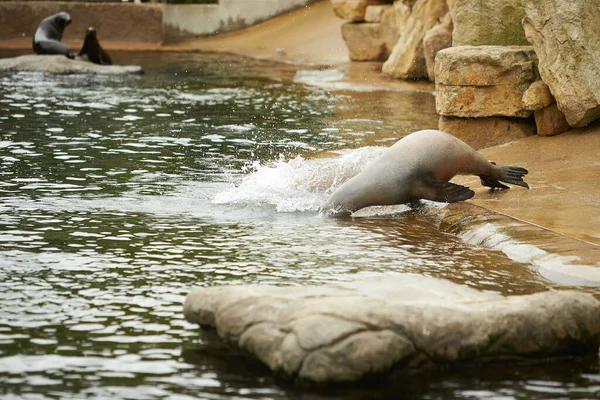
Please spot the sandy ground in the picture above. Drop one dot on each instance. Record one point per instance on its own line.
(564, 170)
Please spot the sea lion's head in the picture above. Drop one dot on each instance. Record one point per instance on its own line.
(90, 34)
(62, 19)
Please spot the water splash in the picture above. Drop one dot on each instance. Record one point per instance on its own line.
(296, 185)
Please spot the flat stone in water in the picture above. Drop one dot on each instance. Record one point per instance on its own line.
(347, 331)
(59, 64)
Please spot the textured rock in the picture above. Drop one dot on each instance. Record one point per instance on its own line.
(374, 13)
(487, 132)
(364, 41)
(58, 64)
(344, 332)
(565, 37)
(486, 65)
(537, 96)
(489, 22)
(550, 121)
(437, 38)
(393, 21)
(484, 81)
(407, 60)
(353, 10)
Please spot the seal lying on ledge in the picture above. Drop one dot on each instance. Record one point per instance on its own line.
(419, 166)
(91, 49)
(49, 34)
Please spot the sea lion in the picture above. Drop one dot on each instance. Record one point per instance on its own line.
(49, 34)
(419, 166)
(92, 50)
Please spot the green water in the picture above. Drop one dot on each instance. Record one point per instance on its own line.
(120, 194)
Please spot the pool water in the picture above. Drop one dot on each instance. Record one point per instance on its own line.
(118, 195)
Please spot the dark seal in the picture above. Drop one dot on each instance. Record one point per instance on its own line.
(92, 50)
(49, 34)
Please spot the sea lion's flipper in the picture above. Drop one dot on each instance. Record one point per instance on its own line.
(487, 180)
(507, 174)
(443, 191)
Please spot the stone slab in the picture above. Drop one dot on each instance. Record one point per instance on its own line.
(565, 37)
(347, 331)
(486, 65)
(484, 81)
(480, 133)
(481, 101)
(58, 64)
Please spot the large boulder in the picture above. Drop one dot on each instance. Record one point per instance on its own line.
(565, 35)
(344, 332)
(364, 41)
(484, 81)
(489, 22)
(59, 64)
(407, 60)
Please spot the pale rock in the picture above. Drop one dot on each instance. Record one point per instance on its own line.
(437, 38)
(353, 10)
(364, 41)
(374, 13)
(537, 96)
(407, 60)
(486, 65)
(59, 64)
(484, 81)
(550, 121)
(346, 331)
(393, 21)
(489, 22)
(565, 35)
(480, 133)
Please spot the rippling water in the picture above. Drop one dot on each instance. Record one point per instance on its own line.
(119, 194)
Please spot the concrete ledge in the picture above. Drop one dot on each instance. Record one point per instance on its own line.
(138, 23)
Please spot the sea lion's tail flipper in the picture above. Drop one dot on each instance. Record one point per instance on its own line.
(443, 191)
(507, 174)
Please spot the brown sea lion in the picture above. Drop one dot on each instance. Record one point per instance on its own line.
(419, 166)
(91, 49)
(48, 35)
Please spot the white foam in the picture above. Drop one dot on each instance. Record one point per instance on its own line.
(296, 185)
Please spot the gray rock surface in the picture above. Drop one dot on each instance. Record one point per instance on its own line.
(565, 35)
(59, 64)
(344, 332)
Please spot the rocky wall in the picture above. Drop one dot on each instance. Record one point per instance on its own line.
(503, 69)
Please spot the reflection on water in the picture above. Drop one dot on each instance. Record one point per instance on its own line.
(119, 194)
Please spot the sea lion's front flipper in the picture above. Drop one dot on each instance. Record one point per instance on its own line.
(442, 191)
